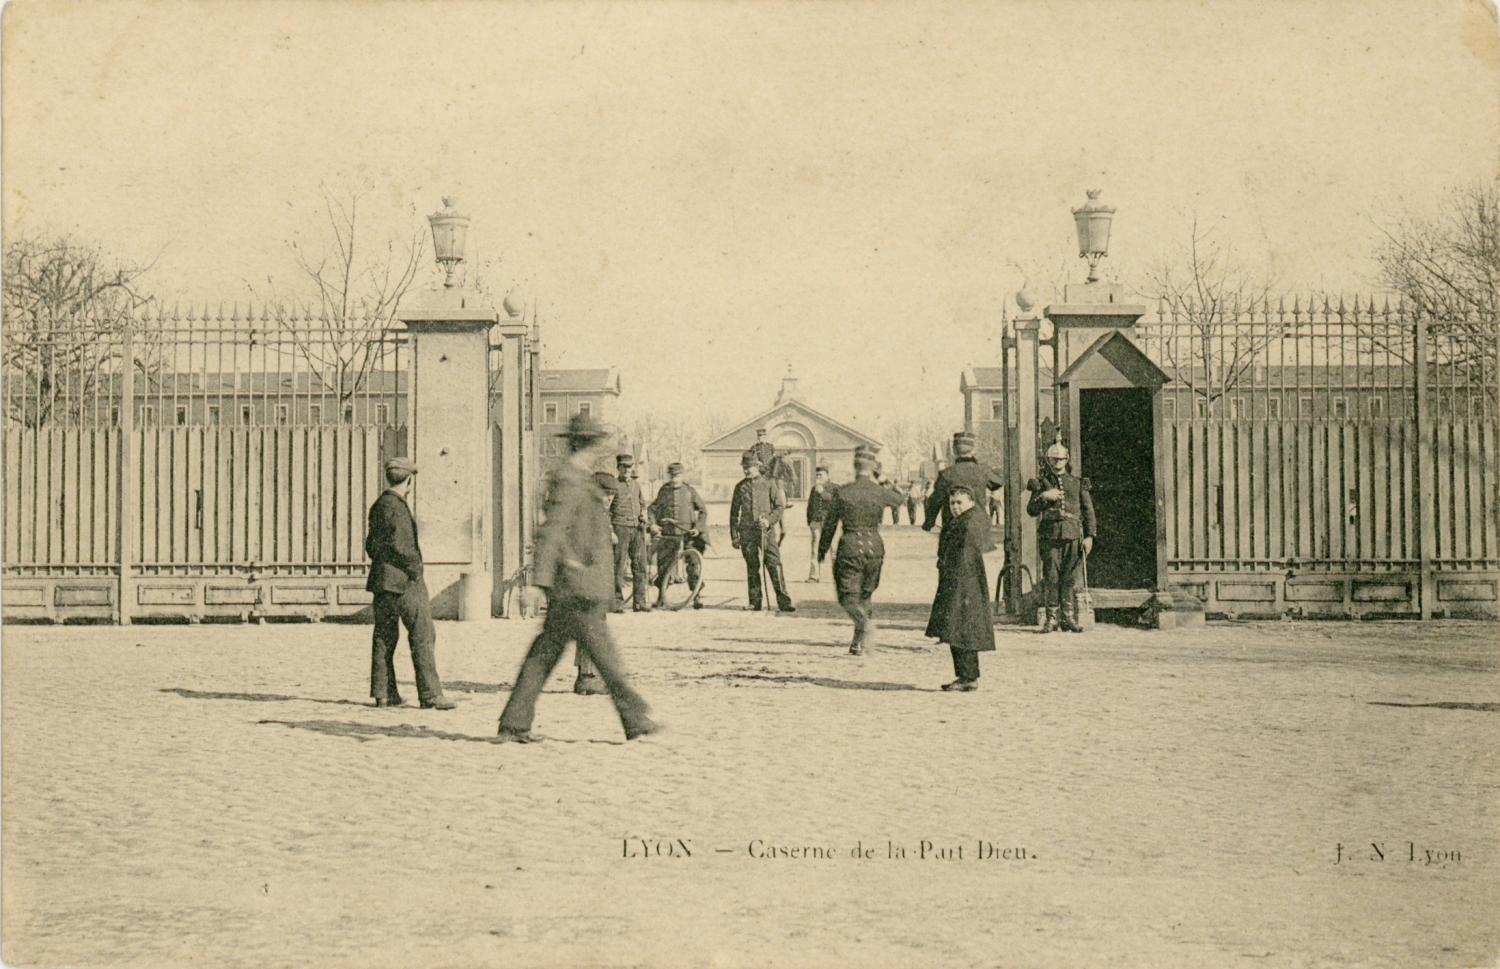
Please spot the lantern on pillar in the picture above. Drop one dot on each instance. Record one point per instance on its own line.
(1092, 219)
(450, 231)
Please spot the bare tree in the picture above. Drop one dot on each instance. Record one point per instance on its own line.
(357, 285)
(66, 306)
(1447, 267)
(900, 438)
(1204, 296)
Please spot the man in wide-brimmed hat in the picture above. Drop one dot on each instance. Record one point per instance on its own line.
(400, 594)
(575, 566)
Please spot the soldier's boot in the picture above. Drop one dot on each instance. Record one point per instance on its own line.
(871, 628)
(1049, 619)
(1070, 617)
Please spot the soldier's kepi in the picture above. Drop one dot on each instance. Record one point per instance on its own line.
(967, 471)
(1064, 510)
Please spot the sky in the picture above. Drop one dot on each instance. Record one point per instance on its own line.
(702, 194)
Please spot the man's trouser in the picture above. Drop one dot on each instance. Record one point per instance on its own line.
(666, 550)
(1060, 571)
(580, 621)
(814, 567)
(412, 608)
(630, 549)
(911, 511)
(855, 579)
(751, 549)
(965, 663)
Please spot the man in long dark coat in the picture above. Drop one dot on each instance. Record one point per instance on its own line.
(575, 566)
(961, 611)
(755, 512)
(400, 594)
(857, 507)
(679, 517)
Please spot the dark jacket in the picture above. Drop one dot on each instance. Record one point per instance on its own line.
(755, 498)
(818, 503)
(961, 608)
(965, 471)
(574, 558)
(858, 507)
(391, 544)
(682, 506)
(1067, 520)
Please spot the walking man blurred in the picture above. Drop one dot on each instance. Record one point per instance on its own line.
(858, 508)
(628, 518)
(574, 566)
(1065, 529)
(961, 610)
(678, 515)
(818, 501)
(400, 594)
(755, 513)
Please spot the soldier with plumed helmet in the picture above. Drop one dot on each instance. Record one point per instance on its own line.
(1064, 510)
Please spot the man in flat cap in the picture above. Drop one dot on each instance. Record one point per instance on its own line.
(628, 518)
(575, 567)
(400, 594)
(755, 512)
(857, 507)
(678, 516)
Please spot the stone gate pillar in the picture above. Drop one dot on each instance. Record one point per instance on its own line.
(450, 438)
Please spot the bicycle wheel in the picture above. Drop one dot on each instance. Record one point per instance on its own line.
(681, 595)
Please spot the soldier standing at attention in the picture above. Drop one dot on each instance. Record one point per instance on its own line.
(818, 501)
(755, 513)
(965, 470)
(961, 613)
(1064, 510)
(627, 516)
(400, 594)
(678, 516)
(858, 507)
(575, 569)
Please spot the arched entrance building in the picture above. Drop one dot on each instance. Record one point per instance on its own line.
(803, 436)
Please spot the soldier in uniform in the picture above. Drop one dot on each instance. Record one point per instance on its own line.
(400, 594)
(627, 516)
(755, 513)
(1064, 510)
(961, 611)
(858, 507)
(574, 567)
(965, 470)
(818, 500)
(678, 515)
(771, 464)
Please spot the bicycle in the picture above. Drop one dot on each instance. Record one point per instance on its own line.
(687, 560)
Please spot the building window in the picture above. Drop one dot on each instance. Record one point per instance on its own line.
(283, 415)
(181, 414)
(348, 413)
(1273, 407)
(213, 413)
(1169, 408)
(1304, 408)
(1340, 408)
(315, 413)
(549, 413)
(1202, 408)
(997, 410)
(1237, 408)
(247, 415)
(114, 416)
(585, 409)
(382, 414)
(1377, 407)
(148, 416)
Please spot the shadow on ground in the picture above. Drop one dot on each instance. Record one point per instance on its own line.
(364, 732)
(256, 697)
(823, 681)
(1442, 705)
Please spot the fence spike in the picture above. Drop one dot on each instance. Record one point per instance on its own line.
(1281, 308)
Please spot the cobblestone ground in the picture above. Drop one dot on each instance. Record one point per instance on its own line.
(223, 796)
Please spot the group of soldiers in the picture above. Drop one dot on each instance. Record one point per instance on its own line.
(596, 525)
